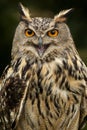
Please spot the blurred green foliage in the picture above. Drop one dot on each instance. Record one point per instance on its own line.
(9, 18)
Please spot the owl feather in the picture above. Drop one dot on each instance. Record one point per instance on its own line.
(24, 12)
(45, 85)
(61, 17)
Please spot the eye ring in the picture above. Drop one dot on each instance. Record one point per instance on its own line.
(29, 32)
(53, 33)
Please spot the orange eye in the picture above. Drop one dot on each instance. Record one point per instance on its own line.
(29, 33)
(52, 33)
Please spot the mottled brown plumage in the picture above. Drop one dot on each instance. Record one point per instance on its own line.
(45, 85)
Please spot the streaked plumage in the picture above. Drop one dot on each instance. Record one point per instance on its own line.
(45, 85)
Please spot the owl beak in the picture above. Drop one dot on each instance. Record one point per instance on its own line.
(40, 48)
(40, 41)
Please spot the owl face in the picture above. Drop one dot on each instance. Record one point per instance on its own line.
(40, 36)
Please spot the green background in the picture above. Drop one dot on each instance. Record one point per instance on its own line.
(9, 18)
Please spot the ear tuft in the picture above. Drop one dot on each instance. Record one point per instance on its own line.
(24, 12)
(61, 17)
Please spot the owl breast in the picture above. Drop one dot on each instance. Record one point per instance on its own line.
(49, 104)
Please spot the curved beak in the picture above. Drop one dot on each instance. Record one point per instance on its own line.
(40, 48)
(40, 41)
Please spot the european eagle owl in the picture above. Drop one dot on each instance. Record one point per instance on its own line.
(45, 85)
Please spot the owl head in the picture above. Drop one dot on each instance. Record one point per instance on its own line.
(40, 36)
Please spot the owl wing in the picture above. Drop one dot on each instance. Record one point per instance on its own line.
(83, 109)
(13, 92)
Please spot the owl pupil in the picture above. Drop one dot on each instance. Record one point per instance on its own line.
(29, 31)
(52, 32)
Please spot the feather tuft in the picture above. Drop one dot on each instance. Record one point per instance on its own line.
(24, 12)
(61, 17)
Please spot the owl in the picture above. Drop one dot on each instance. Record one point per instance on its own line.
(45, 85)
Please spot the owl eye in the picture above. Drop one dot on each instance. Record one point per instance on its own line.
(52, 33)
(29, 33)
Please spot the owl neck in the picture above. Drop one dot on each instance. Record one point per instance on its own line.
(23, 63)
